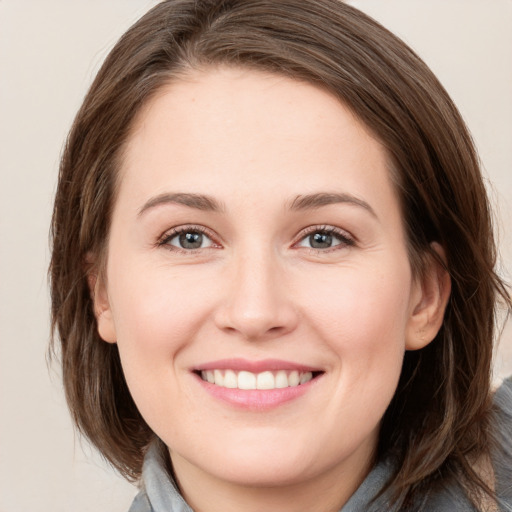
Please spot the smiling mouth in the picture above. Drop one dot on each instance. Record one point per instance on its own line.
(266, 380)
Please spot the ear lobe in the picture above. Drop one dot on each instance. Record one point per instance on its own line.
(102, 310)
(429, 304)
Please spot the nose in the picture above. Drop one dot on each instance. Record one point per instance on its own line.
(257, 301)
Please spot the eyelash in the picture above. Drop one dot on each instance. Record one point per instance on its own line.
(342, 236)
(166, 238)
(345, 239)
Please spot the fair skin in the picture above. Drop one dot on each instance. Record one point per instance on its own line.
(256, 232)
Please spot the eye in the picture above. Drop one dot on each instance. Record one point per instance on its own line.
(187, 239)
(325, 238)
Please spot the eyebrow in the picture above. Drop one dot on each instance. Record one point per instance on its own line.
(312, 201)
(301, 202)
(197, 201)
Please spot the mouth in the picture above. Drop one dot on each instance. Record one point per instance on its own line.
(265, 380)
(257, 386)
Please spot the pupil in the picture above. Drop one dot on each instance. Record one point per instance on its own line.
(320, 240)
(191, 240)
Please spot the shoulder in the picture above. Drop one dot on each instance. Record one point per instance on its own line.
(159, 492)
(141, 503)
(502, 433)
(449, 496)
(503, 403)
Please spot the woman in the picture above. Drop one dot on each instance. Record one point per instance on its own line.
(273, 269)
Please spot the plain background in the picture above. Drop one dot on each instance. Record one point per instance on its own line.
(49, 53)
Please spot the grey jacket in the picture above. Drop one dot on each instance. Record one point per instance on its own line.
(160, 494)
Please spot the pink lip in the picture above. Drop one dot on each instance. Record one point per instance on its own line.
(238, 364)
(255, 399)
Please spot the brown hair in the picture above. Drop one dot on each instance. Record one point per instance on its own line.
(438, 421)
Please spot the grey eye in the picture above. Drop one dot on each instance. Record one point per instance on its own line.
(190, 240)
(321, 240)
(324, 239)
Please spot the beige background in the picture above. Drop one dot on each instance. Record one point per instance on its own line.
(49, 52)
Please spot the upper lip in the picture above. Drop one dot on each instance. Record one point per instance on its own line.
(239, 364)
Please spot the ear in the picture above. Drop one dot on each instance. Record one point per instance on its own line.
(102, 310)
(429, 299)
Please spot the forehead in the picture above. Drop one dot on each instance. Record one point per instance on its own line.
(237, 126)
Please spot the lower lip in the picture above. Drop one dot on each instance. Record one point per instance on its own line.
(256, 399)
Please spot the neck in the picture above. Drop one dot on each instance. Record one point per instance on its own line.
(325, 492)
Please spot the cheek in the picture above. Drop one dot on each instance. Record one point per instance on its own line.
(157, 305)
(370, 306)
(157, 313)
(363, 320)
(155, 321)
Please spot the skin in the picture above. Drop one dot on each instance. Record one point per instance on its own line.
(257, 290)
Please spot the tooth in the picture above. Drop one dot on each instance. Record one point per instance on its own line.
(219, 378)
(230, 380)
(246, 380)
(294, 378)
(265, 380)
(306, 377)
(281, 379)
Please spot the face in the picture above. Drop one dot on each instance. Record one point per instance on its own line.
(257, 283)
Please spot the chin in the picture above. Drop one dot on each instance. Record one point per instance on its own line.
(264, 473)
